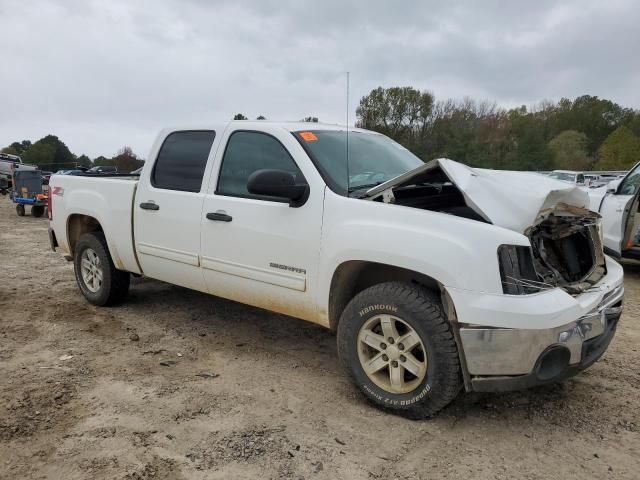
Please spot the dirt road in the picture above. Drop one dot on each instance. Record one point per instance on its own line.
(175, 384)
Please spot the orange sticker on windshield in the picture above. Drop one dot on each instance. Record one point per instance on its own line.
(308, 136)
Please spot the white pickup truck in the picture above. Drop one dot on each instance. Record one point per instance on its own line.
(436, 276)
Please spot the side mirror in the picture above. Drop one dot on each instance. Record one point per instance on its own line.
(280, 184)
(612, 186)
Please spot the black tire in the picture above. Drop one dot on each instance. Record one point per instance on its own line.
(37, 211)
(20, 210)
(422, 310)
(115, 283)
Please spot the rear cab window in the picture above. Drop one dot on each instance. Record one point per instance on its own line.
(182, 160)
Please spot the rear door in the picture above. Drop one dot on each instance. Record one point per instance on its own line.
(259, 250)
(168, 208)
(618, 212)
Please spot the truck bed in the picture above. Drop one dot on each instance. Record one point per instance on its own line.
(108, 199)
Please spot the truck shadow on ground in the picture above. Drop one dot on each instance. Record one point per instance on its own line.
(249, 331)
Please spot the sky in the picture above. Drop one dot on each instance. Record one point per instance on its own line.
(104, 74)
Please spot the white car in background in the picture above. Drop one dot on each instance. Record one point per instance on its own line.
(617, 203)
(577, 178)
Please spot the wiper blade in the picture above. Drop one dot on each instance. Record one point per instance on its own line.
(361, 187)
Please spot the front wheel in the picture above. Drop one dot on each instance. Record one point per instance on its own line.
(20, 210)
(99, 280)
(398, 347)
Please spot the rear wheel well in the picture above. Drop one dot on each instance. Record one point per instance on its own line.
(352, 277)
(78, 225)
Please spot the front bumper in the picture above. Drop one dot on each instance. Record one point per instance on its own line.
(500, 358)
(564, 351)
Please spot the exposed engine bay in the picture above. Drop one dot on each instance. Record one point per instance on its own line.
(566, 247)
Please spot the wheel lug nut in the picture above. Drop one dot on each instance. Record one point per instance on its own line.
(401, 346)
(385, 358)
(391, 340)
(394, 364)
(383, 345)
(403, 358)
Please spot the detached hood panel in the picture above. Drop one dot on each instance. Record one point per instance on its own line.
(509, 199)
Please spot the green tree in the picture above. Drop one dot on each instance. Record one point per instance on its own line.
(126, 160)
(17, 148)
(10, 150)
(595, 117)
(620, 151)
(569, 150)
(42, 154)
(239, 116)
(399, 112)
(102, 161)
(310, 119)
(261, 117)
(84, 161)
(49, 153)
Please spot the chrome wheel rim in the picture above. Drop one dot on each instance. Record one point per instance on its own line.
(392, 354)
(91, 270)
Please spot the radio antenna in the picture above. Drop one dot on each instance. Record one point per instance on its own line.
(348, 178)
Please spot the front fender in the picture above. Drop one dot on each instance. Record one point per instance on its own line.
(455, 251)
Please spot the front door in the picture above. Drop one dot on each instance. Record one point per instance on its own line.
(168, 209)
(618, 213)
(259, 250)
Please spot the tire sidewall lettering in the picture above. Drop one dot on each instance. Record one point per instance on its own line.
(372, 308)
(397, 402)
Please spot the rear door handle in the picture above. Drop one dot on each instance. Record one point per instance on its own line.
(219, 217)
(149, 206)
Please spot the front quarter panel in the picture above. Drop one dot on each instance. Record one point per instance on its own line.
(456, 252)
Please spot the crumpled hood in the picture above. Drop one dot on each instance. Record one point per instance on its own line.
(513, 200)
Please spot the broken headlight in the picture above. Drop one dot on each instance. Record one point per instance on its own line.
(517, 270)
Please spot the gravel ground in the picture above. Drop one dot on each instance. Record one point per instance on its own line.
(175, 384)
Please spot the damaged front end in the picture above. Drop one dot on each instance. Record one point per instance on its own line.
(566, 245)
(567, 248)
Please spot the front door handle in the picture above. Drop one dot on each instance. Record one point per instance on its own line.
(219, 217)
(149, 206)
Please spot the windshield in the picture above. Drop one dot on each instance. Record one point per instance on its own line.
(567, 177)
(373, 158)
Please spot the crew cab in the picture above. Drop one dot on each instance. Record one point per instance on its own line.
(437, 277)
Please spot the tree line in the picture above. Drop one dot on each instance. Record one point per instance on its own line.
(52, 154)
(585, 133)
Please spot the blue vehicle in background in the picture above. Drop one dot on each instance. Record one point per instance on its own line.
(27, 191)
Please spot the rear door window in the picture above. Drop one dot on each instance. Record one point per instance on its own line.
(182, 160)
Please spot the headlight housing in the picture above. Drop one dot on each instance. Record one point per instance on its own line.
(517, 271)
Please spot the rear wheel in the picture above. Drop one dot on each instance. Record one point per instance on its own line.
(37, 211)
(20, 210)
(398, 347)
(99, 280)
